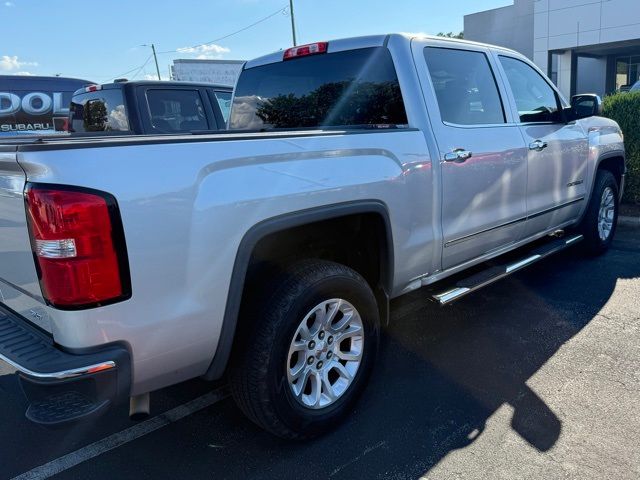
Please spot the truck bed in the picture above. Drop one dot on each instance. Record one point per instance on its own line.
(186, 204)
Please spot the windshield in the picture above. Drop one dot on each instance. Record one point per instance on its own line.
(355, 87)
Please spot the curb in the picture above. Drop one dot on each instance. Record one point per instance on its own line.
(625, 221)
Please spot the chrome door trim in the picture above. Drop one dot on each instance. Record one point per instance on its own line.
(455, 241)
(513, 222)
(558, 207)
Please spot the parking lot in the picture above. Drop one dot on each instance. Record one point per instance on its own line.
(536, 376)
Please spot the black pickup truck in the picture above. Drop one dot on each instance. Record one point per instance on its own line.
(149, 107)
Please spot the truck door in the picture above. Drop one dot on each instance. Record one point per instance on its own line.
(557, 151)
(482, 161)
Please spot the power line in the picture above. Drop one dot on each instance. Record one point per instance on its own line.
(129, 71)
(283, 9)
(138, 69)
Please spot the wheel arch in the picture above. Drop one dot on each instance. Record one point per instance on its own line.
(282, 223)
(614, 162)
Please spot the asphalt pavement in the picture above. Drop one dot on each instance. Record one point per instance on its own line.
(534, 377)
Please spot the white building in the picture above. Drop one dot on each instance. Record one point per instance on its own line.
(585, 46)
(220, 72)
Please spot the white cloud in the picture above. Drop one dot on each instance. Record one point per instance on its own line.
(24, 74)
(9, 4)
(118, 118)
(9, 63)
(206, 51)
(149, 76)
(417, 34)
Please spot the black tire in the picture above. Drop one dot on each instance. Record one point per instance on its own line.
(258, 377)
(593, 244)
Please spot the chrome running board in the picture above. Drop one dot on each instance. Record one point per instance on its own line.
(494, 273)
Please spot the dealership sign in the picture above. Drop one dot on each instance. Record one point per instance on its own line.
(219, 72)
(32, 103)
(33, 111)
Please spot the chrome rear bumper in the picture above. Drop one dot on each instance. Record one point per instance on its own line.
(56, 381)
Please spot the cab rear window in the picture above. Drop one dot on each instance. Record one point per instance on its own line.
(176, 110)
(99, 111)
(350, 88)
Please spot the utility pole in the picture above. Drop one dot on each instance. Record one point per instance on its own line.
(293, 23)
(155, 57)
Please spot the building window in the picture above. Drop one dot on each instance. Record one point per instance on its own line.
(554, 69)
(627, 71)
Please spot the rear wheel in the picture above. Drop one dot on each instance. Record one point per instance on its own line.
(599, 223)
(308, 350)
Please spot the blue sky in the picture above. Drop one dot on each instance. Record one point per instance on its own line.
(101, 40)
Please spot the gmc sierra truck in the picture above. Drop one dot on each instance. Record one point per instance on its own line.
(355, 171)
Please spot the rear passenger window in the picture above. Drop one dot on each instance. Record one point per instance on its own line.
(100, 111)
(465, 86)
(535, 99)
(175, 111)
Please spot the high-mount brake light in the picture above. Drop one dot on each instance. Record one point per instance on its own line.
(93, 88)
(306, 50)
(78, 244)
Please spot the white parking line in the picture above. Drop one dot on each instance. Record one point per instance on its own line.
(118, 439)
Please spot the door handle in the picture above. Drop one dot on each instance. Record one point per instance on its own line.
(538, 145)
(459, 155)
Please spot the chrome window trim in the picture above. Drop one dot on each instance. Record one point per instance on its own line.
(528, 124)
(480, 125)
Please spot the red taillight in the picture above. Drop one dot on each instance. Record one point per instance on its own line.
(78, 244)
(61, 124)
(93, 88)
(306, 50)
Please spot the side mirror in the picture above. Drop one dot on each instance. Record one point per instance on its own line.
(586, 105)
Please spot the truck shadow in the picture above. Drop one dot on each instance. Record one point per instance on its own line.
(442, 373)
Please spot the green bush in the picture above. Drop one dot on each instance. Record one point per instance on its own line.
(624, 108)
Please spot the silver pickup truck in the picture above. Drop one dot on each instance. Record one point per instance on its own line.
(355, 171)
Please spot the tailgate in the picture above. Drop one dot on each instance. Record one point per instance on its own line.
(19, 287)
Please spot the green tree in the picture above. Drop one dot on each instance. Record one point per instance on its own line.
(334, 104)
(624, 108)
(451, 35)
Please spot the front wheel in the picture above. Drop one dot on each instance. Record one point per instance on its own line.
(307, 351)
(599, 223)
